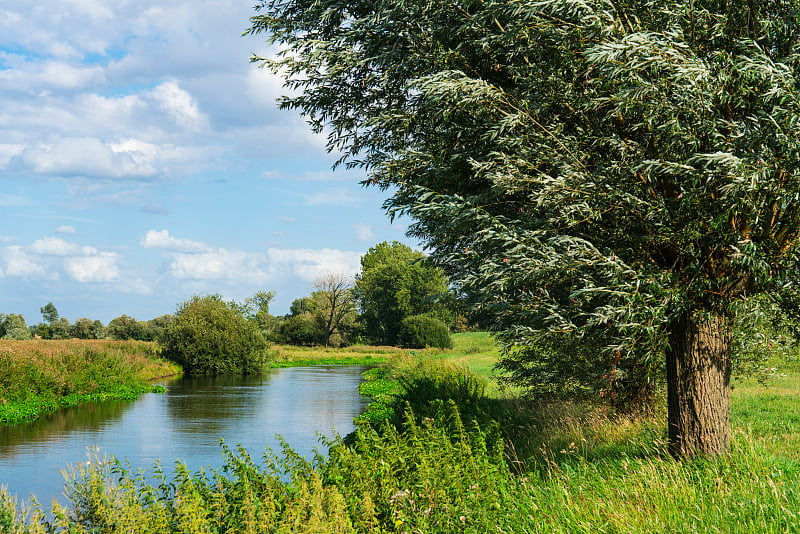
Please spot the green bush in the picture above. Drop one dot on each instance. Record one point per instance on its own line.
(420, 331)
(301, 330)
(209, 337)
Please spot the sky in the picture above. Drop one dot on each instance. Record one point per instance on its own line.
(143, 159)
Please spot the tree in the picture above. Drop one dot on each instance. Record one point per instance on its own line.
(125, 327)
(618, 171)
(302, 305)
(334, 293)
(396, 282)
(210, 337)
(49, 313)
(12, 326)
(82, 328)
(98, 330)
(60, 329)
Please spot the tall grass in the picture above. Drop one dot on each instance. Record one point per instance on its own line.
(38, 375)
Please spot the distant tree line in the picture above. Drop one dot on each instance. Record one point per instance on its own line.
(13, 326)
(396, 295)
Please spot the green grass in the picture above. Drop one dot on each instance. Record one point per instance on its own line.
(297, 356)
(561, 467)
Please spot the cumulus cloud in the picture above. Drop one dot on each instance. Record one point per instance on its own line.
(310, 264)
(81, 157)
(180, 106)
(19, 263)
(53, 246)
(51, 75)
(219, 264)
(93, 266)
(161, 239)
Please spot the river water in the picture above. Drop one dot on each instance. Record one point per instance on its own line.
(186, 423)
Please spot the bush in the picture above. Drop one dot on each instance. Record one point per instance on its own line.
(301, 330)
(420, 331)
(209, 337)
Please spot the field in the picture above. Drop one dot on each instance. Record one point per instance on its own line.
(38, 376)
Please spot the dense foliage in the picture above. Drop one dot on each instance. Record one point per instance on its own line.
(420, 331)
(13, 326)
(396, 282)
(618, 171)
(209, 337)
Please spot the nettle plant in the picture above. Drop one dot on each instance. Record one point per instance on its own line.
(620, 171)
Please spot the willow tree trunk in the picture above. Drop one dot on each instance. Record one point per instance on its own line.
(698, 385)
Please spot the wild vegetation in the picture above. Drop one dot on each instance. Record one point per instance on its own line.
(38, 376)
(210, 336)
(444, 466)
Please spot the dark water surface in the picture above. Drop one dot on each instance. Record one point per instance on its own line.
(184, 423)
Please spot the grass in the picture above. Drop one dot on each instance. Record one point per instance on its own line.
(38, 376)
(560, 467)
(297, 356)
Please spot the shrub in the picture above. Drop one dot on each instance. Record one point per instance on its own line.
(301, 330)
(420, 331)
(209, 337)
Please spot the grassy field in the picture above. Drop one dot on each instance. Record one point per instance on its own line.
(296, 356)
(38, 376)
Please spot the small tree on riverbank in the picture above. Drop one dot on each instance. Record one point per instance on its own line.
(209, 337)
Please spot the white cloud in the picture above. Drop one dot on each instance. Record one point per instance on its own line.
(51, 75)
(53, 246)
(19, 263)
(311, 264)
(162, 239)
(364, 232)
(81, 157)
(180, 105)
(7, 151)
(65, 229)
(95, 266)
(219, 264)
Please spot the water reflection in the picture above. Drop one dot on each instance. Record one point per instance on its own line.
(49, 429)
(184, 423)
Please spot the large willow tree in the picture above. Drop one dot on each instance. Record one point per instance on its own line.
(615, 170)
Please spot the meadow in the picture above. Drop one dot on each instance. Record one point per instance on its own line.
(485, 460)
(38, 376)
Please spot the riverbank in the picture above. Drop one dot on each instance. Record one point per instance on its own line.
(481, 462)
(38, 376)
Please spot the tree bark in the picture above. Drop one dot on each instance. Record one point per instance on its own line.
(698, 385)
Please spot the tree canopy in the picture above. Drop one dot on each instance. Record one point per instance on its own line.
(622, 171)
(396, 282)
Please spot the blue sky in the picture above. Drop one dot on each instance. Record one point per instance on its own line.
(143, 159)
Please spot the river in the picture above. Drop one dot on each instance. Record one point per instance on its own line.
(186, 423)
